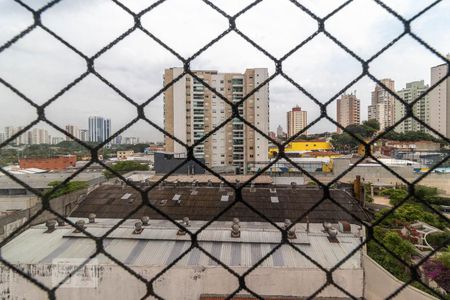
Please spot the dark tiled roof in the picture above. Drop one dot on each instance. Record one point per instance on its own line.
(106, 202)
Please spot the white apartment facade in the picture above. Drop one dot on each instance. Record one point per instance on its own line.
(421, 108)
(439, 100)
(192, 110)
(382, 108)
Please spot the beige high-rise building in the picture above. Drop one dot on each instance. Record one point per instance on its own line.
(39, 136)
(192, 110)
(347, 110)
(421, 108)
(382, 108)
(297, 119)
(73, 130)
(439, 99)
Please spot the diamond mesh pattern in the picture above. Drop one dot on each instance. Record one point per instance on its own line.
(279, 63)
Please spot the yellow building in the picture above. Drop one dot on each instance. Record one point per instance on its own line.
(298, 147)
(124, 154)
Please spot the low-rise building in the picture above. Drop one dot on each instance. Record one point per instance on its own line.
(124, 154)
(298, 147)
(149, 248)
(51, 163)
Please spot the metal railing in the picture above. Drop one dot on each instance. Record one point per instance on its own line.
(279, 72)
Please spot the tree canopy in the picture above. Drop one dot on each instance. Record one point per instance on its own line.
(123, 167)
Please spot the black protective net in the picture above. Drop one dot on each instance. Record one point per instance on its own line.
(279, 73)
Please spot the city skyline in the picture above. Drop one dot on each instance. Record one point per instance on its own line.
(325, 70)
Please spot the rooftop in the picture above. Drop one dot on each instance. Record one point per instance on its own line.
(41, 181)
(161, 240)
(204, 202)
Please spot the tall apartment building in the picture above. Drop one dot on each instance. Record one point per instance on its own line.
(73, 130)
(37, 136)
(347, 110)
(297, 119)
(23, 139)
(439, 100)
(421, 109)
(191, 110)
(84, 135)
(99, 129)
(382, 107)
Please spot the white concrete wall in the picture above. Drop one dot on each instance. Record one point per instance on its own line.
(379, 284)
(261, 115)
(179, 110)
(182, 283)
(17, 202)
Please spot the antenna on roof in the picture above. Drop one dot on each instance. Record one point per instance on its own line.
(307, 224)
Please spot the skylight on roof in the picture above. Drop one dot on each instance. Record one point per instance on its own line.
(274, 200)
(224, 198)
(176, 197)
(126, 196)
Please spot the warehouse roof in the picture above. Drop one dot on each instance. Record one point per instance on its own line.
(203, 203)
(159, 245)
(41, 181)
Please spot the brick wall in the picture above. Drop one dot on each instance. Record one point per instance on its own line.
(53, 163)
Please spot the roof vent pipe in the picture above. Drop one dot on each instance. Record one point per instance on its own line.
(79, 225)
(238, 183)
(221, 187)
(293, 185)
(186, 222)
(138, 227)
(333, 232)
(145, 220)
(252, 187)
(291, 231)
(209, 183)
(326, 226)
(161, 185)
(51, 225)
(235, 228)
(91, 218)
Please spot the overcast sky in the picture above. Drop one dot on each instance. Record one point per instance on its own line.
(39, 65)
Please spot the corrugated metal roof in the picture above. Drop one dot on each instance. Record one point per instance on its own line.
(159, 245)
(209, 201)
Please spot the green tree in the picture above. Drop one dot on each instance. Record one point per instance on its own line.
(372, 124)
(67, 188)
(123, 167)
